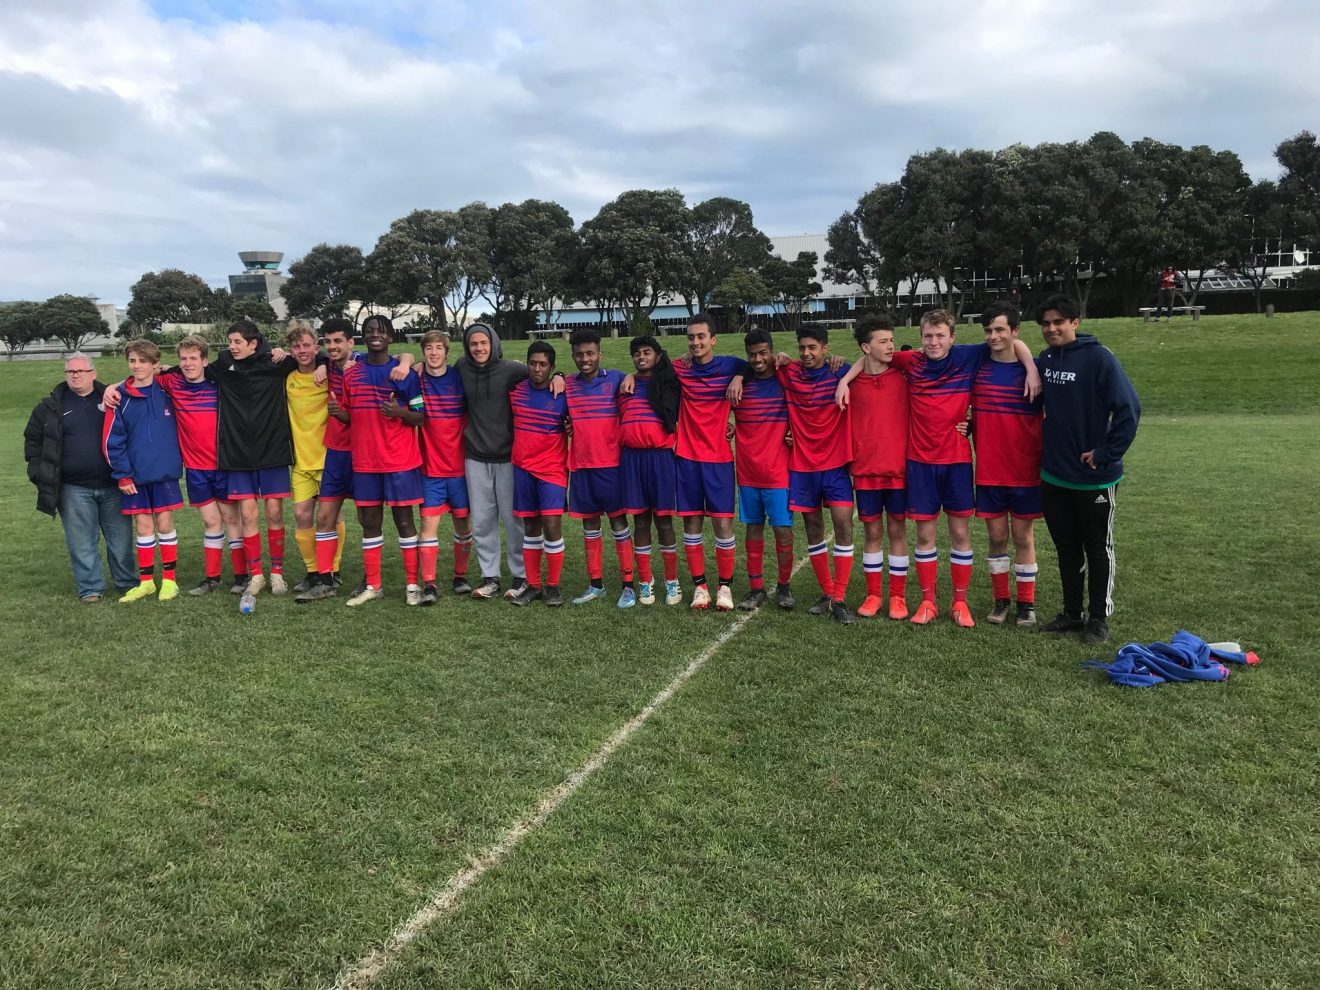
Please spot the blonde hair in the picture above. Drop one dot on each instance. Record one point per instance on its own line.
(144, 349)
(194, 343)
(939, 318)
(298, 329)
(436, 337)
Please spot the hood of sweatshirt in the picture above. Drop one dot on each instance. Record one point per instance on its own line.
(496, 348)
(1083, 340)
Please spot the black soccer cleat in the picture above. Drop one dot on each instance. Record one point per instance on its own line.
(526, 596)
(551, 596)
(839, 612)
(206, 586)
(1063, 623)
(822, 606)
(1097, 631)
(461, 586)
(784, 597)
(429, 595)
(999, 612)
(754, 600)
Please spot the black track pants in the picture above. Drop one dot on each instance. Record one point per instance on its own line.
(1081, 524)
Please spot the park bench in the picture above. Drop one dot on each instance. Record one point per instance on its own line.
(1147, 312)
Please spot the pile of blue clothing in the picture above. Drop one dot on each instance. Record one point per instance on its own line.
(1183, 658)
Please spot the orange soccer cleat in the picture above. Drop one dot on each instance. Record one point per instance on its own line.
(962, 615)
(869, 608)
(897, 608)
(926, 612)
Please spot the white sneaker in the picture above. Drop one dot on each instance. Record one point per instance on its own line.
(646, 595)
(724, 598)
(256, 585)
(412, 594)
(700, 597)
(367, 594)
(277, 585)
(673, 593)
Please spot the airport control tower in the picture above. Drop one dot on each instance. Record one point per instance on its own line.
(261, 279)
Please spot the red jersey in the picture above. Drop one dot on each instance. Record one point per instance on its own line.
(878, 410)
(641, 428)
(594, 409)
(196, 405)
(703, 411)
(760, 439)
(821, 439)
(1168, 279)
(442, 431)
(380, 444)
(939, 393)
(336, 431)
(540, 445)
(1007, 427)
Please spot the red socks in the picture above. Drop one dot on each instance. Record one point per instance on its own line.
(591, 543)
(554, 562)
(275, 537)
(960, 573)
(428, 553)
(327, 546)
(532, 552)
(408, 547)
(784, 558)
(623, 549)
(642, 555)
(371, 546)
(755, 560)
(252, 547)
(843, 562)
(928, 574)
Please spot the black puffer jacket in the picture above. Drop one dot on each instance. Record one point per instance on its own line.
(43, 446)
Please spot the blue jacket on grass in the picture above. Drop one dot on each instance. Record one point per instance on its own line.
(1090, 404)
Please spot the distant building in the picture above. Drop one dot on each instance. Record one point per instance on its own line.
(261, 279)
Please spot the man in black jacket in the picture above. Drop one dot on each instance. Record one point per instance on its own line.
(65, 460)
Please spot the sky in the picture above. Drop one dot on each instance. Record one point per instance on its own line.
(139, 135)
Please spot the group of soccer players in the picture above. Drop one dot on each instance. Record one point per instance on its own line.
(890, 437)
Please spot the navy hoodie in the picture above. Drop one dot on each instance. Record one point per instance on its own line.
(140, 438)
(1090, 404)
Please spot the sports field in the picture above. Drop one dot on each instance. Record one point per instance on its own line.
(193, 798)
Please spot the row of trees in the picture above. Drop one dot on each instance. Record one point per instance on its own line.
(72, 320)
(1026, 219)
(175, 296)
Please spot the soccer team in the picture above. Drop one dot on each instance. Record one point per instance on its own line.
(489, 441)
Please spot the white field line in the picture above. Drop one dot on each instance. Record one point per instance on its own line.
(364, 972)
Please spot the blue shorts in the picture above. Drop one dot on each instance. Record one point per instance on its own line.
(995, 501)
(205, 487)
(266, 483)
(705, 488)
(154, 496)
(756, 505)
(872, 503)
(441, 495)
(931, 487)
(594, 492)
(387, 487)
(807, 490)
(647, 481)
(533, 496)
(337, 475)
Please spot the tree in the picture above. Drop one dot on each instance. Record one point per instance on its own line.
(1266, 215)
(1299, 186)
(722, 239)
(72, 320)
(740, 289)
(635, 248)
(417, 260)
(1202, 211)
(20, 325)
(324, 281)
(792, 285)
(224, 308)
(532, 253)
(167, 296)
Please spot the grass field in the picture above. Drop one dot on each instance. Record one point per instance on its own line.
(191, 798)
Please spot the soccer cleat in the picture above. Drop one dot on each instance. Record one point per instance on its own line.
(962, 615)
(627, 598)
(999, 613)
(316, 592)
(784, 597)
(673, 593)
(488, 589)
(169, 590)
(754, 600)
(1063, 623)
(516, 588)
(646, 593)
(412, 594)
(360, 587)
(822, 606)
(256, 583)
(278, 586)
(461, 586)
(336, 579)
(304, 584)
(724, 598)
(368, 594)
(870, 607)
(429, 595)
(205, 587)
(240, 584)
(926, 612)
(1026, 614)
(898, 607)
(701, 597)
(526, 596)
(839, 612)
(247, 604)
(589, 596)
(144, 590)
(551, 596)
(1097, 631)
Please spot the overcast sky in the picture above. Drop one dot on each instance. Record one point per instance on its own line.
(136, 136)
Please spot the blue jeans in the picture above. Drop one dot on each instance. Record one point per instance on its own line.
(86, 513)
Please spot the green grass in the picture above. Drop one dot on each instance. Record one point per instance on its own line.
(194, 799)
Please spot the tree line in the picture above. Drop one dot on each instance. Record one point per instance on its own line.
(72, 320)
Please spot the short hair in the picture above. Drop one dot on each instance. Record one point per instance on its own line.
(384, 322)
(541, 347)
(645, 340)
(298, 329)
(757, 336)
(939, 318)
(816, 333)
(436, 337)
(337, 324)
(868, 323)
(584, 336)
(144, 349)
(1002, 308)
(1065, 306)
(250, 331)
(701, 318)
(80, 356)
(194, 342)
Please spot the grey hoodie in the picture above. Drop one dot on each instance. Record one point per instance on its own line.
(489, 433)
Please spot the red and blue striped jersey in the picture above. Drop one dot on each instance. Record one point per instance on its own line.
(196, 408)
(641, 428)
(540, 445)
(939, 393)
(336, 432)
(1008, 426)
(380, 444)
(821, 439)
(703, 411)
(878, 417)
(442, 431)
(594, 409)
(760, 437)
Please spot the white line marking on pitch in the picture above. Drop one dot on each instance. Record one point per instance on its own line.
(365, 971)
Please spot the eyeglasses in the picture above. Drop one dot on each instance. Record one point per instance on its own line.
(79, 371)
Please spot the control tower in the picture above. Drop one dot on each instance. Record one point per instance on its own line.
(261, 279)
